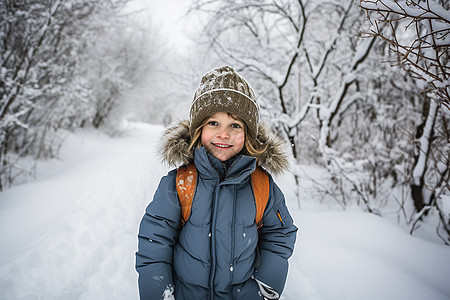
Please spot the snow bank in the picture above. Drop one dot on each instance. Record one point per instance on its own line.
(72, 233)
(354, 255)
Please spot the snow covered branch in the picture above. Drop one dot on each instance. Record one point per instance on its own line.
(49, 78)
(423, 47)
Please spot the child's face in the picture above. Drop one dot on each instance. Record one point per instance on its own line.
(223, 136)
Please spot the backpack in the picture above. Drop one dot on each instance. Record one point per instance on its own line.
(186, 181)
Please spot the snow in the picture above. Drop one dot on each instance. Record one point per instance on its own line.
(351, 255)
(432, 9)
(71, 234)
(168, 293)
(445, 200)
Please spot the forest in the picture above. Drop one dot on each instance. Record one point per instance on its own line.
(358, 87)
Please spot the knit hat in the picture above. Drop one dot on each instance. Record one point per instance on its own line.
(223, 89)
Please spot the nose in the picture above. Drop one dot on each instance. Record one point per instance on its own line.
(223, 133)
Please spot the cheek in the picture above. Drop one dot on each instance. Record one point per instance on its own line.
(239, 140)
(205, 136)
(202, 139)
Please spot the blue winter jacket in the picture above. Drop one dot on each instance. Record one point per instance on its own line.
(213, 255)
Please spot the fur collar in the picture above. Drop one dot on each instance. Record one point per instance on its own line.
(176, 140)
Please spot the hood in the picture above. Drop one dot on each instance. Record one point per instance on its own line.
(176, 139)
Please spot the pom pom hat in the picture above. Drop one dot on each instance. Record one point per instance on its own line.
(223, 89)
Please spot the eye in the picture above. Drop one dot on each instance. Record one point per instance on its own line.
(213, 123)
(236, 126)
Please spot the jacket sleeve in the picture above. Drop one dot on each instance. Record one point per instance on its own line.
(276, 241)
(157, 236)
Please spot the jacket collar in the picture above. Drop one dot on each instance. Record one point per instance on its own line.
(212, 168)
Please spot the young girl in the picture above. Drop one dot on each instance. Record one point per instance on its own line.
(218, 252)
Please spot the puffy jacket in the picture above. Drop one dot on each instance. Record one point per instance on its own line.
(213, 255)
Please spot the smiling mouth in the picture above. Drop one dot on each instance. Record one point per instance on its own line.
(222, 145)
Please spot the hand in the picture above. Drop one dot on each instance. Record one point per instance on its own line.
(267, 292)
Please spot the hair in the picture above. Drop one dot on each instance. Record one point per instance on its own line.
(252, 146)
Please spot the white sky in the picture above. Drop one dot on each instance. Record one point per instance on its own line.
(168, 17)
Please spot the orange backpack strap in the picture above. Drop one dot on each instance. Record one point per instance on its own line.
(186, 181)
(261, 189)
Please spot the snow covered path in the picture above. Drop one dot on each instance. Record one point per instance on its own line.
(72, 234)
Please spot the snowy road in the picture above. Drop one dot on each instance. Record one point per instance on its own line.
(72, 234)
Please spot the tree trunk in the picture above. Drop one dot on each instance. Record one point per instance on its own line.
(424, 134)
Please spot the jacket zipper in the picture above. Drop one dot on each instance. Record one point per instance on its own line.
(233, 233)
(213, 243)
(231, 166)
(279, 217)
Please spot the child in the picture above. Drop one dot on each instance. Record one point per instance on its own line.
(218, 253)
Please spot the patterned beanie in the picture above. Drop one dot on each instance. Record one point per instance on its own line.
(223, 89)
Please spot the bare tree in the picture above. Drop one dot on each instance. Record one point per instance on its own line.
(418, 32)
(118, 61)
(34, 51)
(425, 52)
(44, 87)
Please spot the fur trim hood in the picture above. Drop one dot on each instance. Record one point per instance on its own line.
(176, 140)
